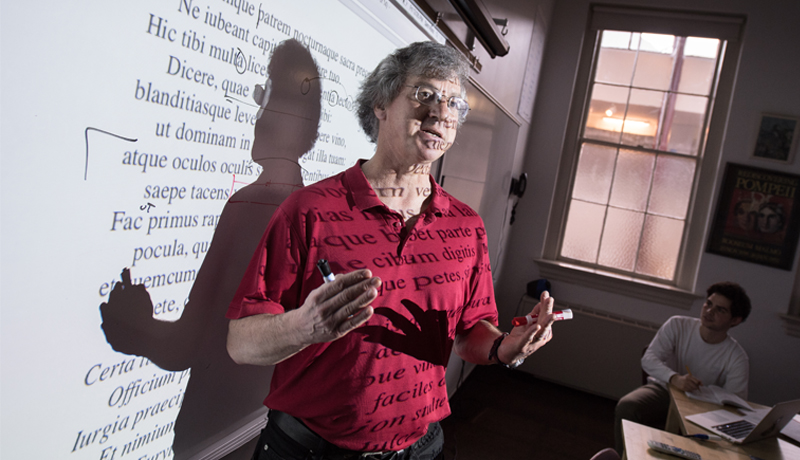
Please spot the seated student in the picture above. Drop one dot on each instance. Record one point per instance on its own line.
(689, 352)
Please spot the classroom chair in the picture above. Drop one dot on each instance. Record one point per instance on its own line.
(606, 454)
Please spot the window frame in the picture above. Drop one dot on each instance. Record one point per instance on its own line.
(680, 292)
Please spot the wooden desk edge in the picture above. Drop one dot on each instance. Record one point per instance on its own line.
(636, 437)
(681, 406)
(675, 423)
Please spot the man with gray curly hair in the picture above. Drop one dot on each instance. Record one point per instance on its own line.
(361, 356)
(425, 59)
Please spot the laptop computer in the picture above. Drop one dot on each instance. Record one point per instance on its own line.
(753, 426)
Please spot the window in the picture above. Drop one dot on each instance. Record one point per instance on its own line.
(639, 152)
(642, 147)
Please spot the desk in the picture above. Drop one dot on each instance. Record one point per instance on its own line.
(636, 437)
(681, 406)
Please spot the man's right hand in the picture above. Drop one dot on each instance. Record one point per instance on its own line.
(686, 382)
(336, 308)
(329, 312)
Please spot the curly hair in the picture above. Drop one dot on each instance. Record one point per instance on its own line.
(740, 302)
(426, 59)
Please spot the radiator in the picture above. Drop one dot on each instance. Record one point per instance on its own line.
(596, 352)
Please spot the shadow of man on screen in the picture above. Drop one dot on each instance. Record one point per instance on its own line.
(221, 394)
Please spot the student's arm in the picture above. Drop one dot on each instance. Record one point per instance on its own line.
(654, 360)
(328, 313)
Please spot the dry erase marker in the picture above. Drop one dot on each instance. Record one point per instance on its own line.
(325, 269)
(528, 319)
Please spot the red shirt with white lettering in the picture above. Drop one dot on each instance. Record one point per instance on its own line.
(378, 387)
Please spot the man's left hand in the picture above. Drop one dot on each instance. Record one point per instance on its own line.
(524, 340)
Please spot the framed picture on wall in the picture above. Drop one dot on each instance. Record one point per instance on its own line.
(757, 217)
(776, 138)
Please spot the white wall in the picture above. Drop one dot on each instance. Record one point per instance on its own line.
(507, 78)
(767, 81)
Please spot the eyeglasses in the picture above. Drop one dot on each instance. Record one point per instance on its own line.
(431, 96)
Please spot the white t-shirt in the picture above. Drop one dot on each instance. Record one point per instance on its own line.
(678, 344)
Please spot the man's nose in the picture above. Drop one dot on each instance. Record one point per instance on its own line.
(442, 111)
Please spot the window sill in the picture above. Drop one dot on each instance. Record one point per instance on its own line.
(617, 284)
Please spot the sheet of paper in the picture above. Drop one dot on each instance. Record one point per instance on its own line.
(718, 395)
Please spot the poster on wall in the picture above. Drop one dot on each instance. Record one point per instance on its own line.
(776, 139)
(756, 218)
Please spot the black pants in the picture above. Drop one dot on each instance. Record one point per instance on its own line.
(286, 438)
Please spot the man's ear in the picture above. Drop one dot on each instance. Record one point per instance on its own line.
(380, 113)
(736, 320)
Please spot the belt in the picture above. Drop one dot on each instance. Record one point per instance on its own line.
(303, 435)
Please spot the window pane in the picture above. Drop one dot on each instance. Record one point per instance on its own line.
(606, 112)
(661, 241)
(595, 170)
(641, 120)
(615, 66)
(621, 239)
(615, 39)
(653, 71)
(582, 235)
(686, 126)
(632, 180)
(701, 47)
(672, 186)
(696, 76)
(657, 43)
